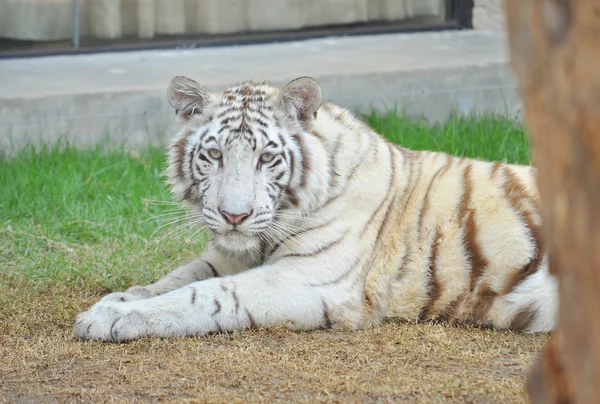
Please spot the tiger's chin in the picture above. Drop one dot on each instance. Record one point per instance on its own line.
(237, 242)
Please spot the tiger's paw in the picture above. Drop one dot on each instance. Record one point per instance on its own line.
(110, 323)
(130, 295)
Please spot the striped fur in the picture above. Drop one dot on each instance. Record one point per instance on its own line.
(344, 228)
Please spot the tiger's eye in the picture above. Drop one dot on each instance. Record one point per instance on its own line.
(214, 153)
(267, 157)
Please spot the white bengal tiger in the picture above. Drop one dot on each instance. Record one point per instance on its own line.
(316, 221)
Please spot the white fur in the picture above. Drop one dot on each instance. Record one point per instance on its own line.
(345, 230)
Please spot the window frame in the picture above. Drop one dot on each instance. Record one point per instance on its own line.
(458, 17)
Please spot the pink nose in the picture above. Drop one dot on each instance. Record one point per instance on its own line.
(234, 219)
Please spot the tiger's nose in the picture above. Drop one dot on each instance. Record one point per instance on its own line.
(234, 219)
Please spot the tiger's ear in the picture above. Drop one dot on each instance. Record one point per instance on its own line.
(301, 98)
(188, 97)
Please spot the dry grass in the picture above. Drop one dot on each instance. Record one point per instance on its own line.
(395, 362)
(72, 228)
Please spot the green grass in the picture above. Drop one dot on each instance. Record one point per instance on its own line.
(81, 216)
(487, 137)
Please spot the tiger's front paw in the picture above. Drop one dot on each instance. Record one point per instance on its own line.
(130, 295)
(111, 323)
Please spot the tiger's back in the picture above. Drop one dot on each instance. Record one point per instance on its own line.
(451, 239)
(466, 244)
(424, 235)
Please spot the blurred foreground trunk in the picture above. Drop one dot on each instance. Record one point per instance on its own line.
(555, 51)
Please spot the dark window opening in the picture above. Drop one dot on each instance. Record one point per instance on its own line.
(49, 28)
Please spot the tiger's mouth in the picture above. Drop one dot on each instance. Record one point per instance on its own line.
(237, 240)
(237, 233)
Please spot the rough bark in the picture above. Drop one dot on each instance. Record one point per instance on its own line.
(555, 51)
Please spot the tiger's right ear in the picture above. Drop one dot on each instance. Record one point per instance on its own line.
(301, 98)
(188, 97)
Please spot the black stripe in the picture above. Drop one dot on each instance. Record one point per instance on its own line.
(212, 268)
(261, 123)
(299, 234)
(191, 162)
(263, 132)
(261, 113)
(276, 163)
(203, 158)
(326, 315)
(283, 143)
(219, 329)
(387, 195)
(434, 288)
(305, 166)
(236, 301)
(272, 196)
(187, 195)
(390, 205)
(332, 163)
(261, 221)
(292, 163)
(203, 135)
(285, 155)
(218, 309)
(318, 251)
(251, 319)
(340, 277)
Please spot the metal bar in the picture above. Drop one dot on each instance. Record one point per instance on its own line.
(75, 37)
(449, 8)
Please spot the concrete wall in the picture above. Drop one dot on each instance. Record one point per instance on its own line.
(489, 15)
(122, 95)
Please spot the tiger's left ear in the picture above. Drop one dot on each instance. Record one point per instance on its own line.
(301, 98)
(188, 97)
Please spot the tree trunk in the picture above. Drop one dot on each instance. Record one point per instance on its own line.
(555, 51)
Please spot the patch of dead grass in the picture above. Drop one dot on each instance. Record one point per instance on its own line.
(394, 362)
(75, 223)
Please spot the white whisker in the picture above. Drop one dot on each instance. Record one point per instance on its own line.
(182, 228)
(157, 202)
(164, 216)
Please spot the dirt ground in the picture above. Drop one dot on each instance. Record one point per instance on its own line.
(394, 362)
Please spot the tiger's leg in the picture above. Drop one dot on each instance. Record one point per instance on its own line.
(262, 297)
(211, 264)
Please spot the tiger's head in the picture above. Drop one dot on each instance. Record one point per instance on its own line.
(238, 161)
